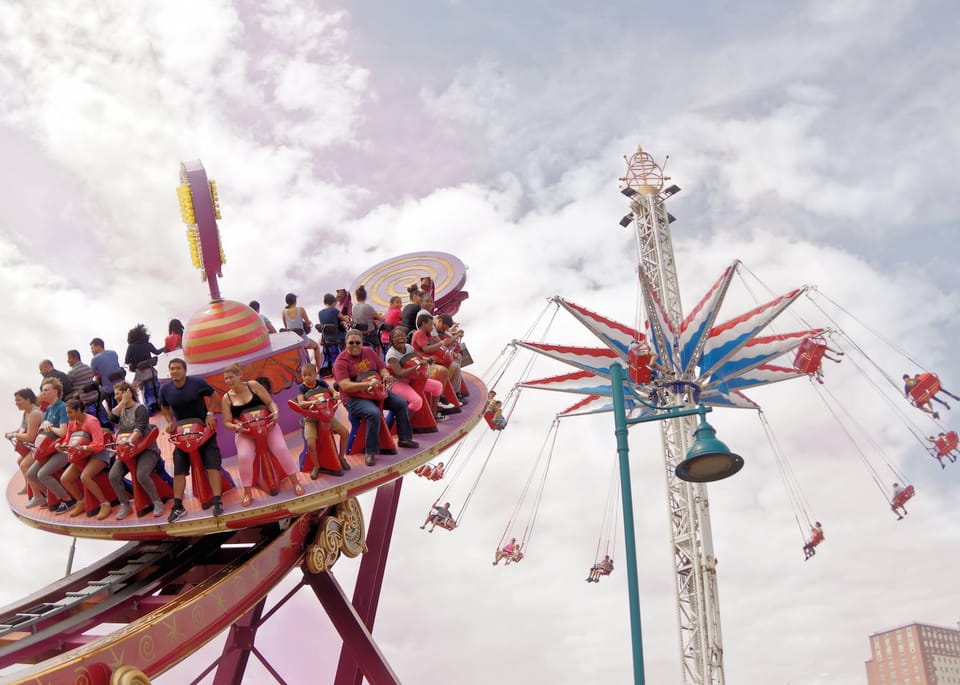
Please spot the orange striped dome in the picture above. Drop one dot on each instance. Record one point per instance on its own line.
(223, 330)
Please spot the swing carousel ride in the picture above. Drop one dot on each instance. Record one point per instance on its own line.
(676, 367)
(180, 581)
(177, 584)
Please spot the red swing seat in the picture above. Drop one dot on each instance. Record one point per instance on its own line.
(810, 355)
(128, 453)
(446, 524)
(45, 444)
(946, 444)
(905, 496)
(927, 386)
(387, 444)
(488, 417)
(429, 471)
(267, 474)
(423, 421)
(638, 362)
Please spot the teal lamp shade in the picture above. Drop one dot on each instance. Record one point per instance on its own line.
(708, 459)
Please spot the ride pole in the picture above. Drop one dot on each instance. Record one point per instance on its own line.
(629, 535)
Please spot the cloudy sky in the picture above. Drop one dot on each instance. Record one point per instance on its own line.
(816, 143)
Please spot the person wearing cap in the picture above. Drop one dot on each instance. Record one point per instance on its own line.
(295, 319)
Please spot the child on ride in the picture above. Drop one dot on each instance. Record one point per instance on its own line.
(312, 388)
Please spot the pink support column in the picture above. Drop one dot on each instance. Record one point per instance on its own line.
(236, 650)
(366, 594)
(357, 640)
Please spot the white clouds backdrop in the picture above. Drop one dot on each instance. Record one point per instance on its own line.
(816, 144)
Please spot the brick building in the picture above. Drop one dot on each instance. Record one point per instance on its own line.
(915, 654)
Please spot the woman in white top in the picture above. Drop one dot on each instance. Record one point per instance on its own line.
(399, 358)
(295, 319)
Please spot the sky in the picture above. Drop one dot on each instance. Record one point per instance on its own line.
(813, 141)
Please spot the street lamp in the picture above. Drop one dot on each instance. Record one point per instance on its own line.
(707, 460)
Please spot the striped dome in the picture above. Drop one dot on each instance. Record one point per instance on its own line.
(223, 330)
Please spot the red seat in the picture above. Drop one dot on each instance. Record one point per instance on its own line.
(946, 444)
(128, 455)
(488, 417)
(905, 495)
(927, 386)
(638, 361)
(79, 459)
(387, 444)
(189, 436)
(321, 411)
(809, 355)
(423, 420)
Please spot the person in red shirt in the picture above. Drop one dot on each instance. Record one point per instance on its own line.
(98, 460)
(358, 370)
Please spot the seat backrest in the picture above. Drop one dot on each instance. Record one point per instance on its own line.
(329, 332)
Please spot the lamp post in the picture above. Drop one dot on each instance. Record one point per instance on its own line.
(708, 460)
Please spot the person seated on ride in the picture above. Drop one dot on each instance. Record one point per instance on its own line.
(243, 396)
(330, 316)
(497, 418)
(188, 398)
(357, 370)
(365, 317)
(98, 460)
(255, 306)
(403, 363)
(911, 382)
(345, 305)
(139, 359)
(410, 311)
(23, 437)
(433, 348)
(602, 568)
(106, 368)
(393, 316)
(53, 426)
(174, 339)
(440, 516)
(312, 390)
(295, 319)
(816, 537)
(898, 490)
(510, 552)
(942, 447)
(47, 370)
(133, 421)
(429, 471)
(818, 373)
(81, 376)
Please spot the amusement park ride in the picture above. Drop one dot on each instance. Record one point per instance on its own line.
(177, 585)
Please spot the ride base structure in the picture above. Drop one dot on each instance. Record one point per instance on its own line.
(175, 586)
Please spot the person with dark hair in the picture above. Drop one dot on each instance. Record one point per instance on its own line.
(358, 370)
(26, 402)
(295, 319)
(364, 315)
(97, 461)
(81, 376)
(409, 313)
(331, 316)
(106, 368)
(346, 306)
(188, 398)
(133, 422)
(140, 360)
(816, 537)
(255, 306)
(174, 339)
(47, 370)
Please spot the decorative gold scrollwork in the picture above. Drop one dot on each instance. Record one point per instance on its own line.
(129, 675)
(341, 531)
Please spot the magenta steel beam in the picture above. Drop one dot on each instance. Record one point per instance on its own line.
(236, 650)
(356, 638)
(366, 593)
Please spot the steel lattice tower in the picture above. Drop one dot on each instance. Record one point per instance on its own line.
(695, 571)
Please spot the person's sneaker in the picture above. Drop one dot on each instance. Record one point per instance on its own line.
(344, 464)
(315, 472)
(105, 510)
(124, 511)
(440, 417)
(63, 507)
(218, 508)
(178, 512)
(411, 444)
(34, 501)
(936, 416)
(444, 402)
(947, 406)
(371, 459)
(157, 509)
(331, 472)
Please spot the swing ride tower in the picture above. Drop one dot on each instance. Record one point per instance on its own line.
(695, 567)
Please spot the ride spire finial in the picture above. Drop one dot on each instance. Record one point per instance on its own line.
(644, 176)
(200, 209)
